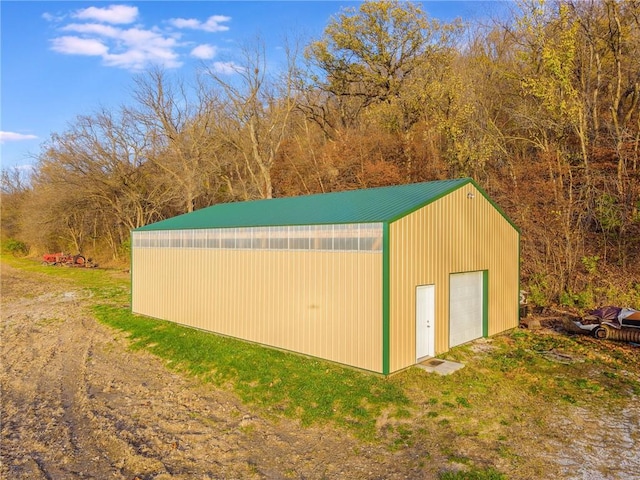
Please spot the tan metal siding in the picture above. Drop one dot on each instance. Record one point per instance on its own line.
(452, 234)
(323, 304)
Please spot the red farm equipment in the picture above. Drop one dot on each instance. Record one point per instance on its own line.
(66, 260)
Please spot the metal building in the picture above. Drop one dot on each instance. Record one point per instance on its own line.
(378, 279)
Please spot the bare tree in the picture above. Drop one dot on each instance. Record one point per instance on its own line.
(253, 118)
(14, 190)
(178, 124)
(94, 173)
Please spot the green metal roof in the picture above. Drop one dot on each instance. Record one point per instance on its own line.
(384, 204)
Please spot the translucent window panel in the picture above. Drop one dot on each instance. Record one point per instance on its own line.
(370, 244)
(299, 243)
(176, 239)
(377, 244)
(338, 244)
(299, 237)
(279, 238)
(243, 242)
(371, 237)
(321, 243)
(321, 237)
(228, 243)
(348, 237)
(346, 230)
(213, 239)
(143, 239)
(187, 238)
(164, 239)
(352, 243)
(227, 238)
(200, 238)
(260, 240)
(349, 243)
(242, 237)
(260, 243)
(279, 243)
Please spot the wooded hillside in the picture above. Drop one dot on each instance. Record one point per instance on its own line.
(540, 108)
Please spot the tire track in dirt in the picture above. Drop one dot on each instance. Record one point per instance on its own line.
(78, 404)
(40, 373)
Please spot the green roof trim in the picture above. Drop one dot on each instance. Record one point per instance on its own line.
(383, 204)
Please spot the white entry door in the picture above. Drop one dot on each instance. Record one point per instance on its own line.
(425, 321)
(465, 307)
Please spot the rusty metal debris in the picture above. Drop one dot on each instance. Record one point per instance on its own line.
(612, 323)
(67, 260)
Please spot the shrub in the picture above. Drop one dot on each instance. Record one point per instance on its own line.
(581, 300)
(16, 247)
(539, 290)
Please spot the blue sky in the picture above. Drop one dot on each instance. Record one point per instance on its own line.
(64, 59)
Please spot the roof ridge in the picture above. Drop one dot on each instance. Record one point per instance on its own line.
(368, 205)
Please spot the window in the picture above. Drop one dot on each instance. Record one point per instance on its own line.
(364, 237)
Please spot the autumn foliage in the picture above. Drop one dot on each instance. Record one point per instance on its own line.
(540, 107)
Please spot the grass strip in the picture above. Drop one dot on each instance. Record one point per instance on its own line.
(283, 383)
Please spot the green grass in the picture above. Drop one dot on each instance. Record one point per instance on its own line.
(473, 474)
(503, 391)
(104, 285)
(281, 383)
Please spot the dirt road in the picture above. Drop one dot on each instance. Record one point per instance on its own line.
(77, 404)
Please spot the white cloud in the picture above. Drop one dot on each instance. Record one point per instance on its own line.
(93, 28)
(185, 23)
(132, 48)
(50, 17)
(101, 32)
(213, 23)
(118, 14)
(140, 58)
(226, 68)
(71, 45)
(15, 137)
(143, 47)
(204, 51)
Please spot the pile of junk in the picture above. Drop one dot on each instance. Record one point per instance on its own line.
(613, 323)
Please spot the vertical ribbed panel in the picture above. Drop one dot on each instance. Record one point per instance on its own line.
(323, 304)
(329, 303)
(453, 234)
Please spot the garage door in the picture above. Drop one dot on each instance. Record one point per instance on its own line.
(465, 307)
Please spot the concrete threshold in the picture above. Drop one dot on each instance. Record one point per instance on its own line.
(439, 366)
